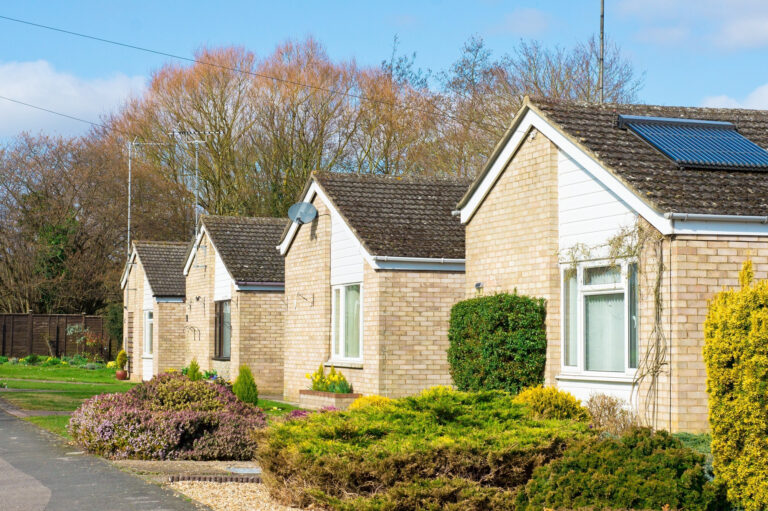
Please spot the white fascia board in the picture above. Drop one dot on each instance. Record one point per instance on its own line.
(720, 228)
(127, 270)
(434, 265)
(532, 119)
(193, 252)
(246, 287)
(169, 299)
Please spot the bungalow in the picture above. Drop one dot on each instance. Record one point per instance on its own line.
(370, 282)
(627, 219)
(153, 307)
(234, 310)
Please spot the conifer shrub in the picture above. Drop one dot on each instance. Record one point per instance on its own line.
(372, 400)
(640, 470)
(552, 403)
(193, 371)
(168, 417)
(498, 342)
(482, 437)
(121, 360)
(736, 357)
(245, 387)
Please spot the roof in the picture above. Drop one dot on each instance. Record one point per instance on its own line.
(247, 246)
(399, 216)
(163, 263)
(652, 176)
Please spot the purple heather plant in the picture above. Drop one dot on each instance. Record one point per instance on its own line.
(168, 417)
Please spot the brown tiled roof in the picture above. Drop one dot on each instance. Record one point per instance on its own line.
(163, 263)
(653, 176)
(247, 245)
(399, 217)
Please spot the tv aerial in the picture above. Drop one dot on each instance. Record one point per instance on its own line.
(302, 213)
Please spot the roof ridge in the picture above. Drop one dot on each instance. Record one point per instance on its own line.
(613, 106)
(161, 242)
(410, 178)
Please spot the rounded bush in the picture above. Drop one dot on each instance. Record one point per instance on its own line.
(121, 360)
(498, 342)
(551, 403)
(641, 470)
(168, 417)
(372, 400)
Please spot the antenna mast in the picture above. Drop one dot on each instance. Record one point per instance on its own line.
(601, 84)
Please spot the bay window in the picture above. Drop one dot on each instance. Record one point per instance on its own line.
(346, 322)
(600, 318)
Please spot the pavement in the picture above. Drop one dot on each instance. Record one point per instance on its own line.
(40, 472)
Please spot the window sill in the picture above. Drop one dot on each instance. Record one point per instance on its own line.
(147, 356)
(596, 377)
(344, 364)
(220, 359)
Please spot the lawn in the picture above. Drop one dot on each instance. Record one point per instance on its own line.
(56, 424)
(65, 373)
(275, 408)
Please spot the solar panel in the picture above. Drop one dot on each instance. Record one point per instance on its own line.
(693, 143)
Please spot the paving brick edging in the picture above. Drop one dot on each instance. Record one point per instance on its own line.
(215, 478)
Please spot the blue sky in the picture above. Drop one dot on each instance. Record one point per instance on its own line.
(693, 52)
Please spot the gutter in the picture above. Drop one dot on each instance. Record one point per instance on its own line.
(439, 260)
(260, 284)
(701, 217)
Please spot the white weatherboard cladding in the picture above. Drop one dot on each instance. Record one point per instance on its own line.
(346, 253)
(222, 282)
(146, 367)
(583, 389)
(589, 213)
(148, 302)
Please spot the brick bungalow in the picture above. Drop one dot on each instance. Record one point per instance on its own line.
(153, 307)
(570, 180)
(370, 282)
(235, 305)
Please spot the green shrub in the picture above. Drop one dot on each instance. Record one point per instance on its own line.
(30, 360)
(551, 403)
(641, 470)
(498, 342)
(75, 360)
(3, 360)
(92, 366)
(121, 360)
(50, 362)
(433, 494)
(193, 371)
(483, 437)
(113, 321)
(334, 381)
(736, 357)
(13, 361)
(245, 387)
(210, 374)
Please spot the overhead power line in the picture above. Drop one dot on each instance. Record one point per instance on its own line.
(248, 72)
(60, 114)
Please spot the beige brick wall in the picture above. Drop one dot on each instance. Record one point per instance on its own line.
(133, 300)
(200, 309)
(405, 320)
(512, 240)
(257, 338)
(170, 347)
(308, 302)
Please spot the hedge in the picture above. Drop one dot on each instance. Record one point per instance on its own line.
(736, 357)
(498, 342)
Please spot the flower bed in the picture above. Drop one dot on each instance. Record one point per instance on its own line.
(168, 417)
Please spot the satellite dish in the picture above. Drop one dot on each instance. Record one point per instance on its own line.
(302, 213)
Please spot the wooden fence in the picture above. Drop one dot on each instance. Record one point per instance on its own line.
(46, 334)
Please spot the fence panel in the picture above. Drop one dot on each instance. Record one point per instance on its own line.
(46, 334)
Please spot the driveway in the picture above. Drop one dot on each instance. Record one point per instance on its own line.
(39, 472)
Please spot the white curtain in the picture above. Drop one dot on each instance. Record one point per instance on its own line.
(604, 332)
(226, 329)
(336, 320)
(571, 323)
(352, 322)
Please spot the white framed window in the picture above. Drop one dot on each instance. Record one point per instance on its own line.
(149, 327)
(600, 318)
(347, 322)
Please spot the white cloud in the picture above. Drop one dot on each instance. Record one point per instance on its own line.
(757, 99)
(743, 33)
(38, 83)
(524, 22)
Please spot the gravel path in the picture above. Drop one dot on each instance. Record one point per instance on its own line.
(230, 496)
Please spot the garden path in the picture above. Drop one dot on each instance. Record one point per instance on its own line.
(38, 471)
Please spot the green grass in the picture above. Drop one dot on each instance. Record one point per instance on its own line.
(65, 373)
(68, 400)
(56, 424)
(116, 386)
(275, 408)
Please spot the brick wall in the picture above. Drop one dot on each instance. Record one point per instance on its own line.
(200, 309)
(170, 347)
(512, 240)
(308, 302)
(257, 338)
(133, 300)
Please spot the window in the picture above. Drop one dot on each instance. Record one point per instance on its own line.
(600, 318)
(223, 330)
(346, 322)
(149, 330)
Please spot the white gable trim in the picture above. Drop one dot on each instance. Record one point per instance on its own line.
(532, 119)
(128, 267)
(193, 252)
(376, 262)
